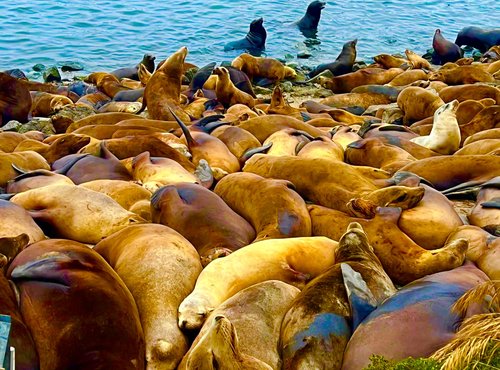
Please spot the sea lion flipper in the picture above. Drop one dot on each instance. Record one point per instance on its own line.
(360, 297)
(493, 203)
(250, 152)
(190, 140)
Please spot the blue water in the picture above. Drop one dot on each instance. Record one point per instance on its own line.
(108, 34)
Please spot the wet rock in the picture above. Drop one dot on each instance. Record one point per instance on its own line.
(287, 86)
(71, 67)
(52, 74)
(69, 114)
(41, 124)
(304, 55)
(39, 67)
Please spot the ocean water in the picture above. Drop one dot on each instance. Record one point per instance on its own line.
(107, 34)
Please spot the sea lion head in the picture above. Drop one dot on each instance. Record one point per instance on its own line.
(193, 312)
(315, 8)
(148, 60)
(353, 244)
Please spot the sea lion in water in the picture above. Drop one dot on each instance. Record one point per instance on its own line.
(343, 64)
(254, 41)
(60, 283)
(444, 51)
(478, 38)
(316, 329)
(308, 24)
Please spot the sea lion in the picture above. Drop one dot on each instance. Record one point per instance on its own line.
(101, 119)
(365, 76)
(308, 24)
(169, 266)
(356, 101)
(156, 172)
(269, 68)
(35, 179)
(343, 64)
(148, 60)
(285, 217)
(402, 259)
(163, 89)
(75, 213)
(44, 104)
(279, 105)
(287, 142)
(419, 316)
(416, 61)
(486, 146)
(486, 119)
(444, 51)
(258, 308)
(418, 103)
(224, 230)
(490, 260)
(131, 196)
(227, 93)
(322, 147)
(486, 212)
(15, 100)
(478, 38)
(254, 41)
(28, 160)
(59, 282)
(408, 77)
(446, 172)
(106, 83)
(19, 222)
(492, 133)
(461, 75)
(467, 92)
(444, 137)
(120, 106)
(389, 61)
(317, 327)
(238, 140)
(9, 140)
(293, 260)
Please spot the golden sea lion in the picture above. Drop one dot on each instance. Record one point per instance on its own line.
(466, 92)
(486, 146)
(44, 104)
(258, 308)
(35, 179)
(363, 100)
(486, 119)
(365, 76)
(444, 137)
(319, 323)
(489, 262)
(418, 103)
(402, 259)
(408, 77)
(416, 61)
(279, 105)
(269, 68)
(492, 133)
(227, 93)
(461, 75)
(107, 83)
(101, 119)
(9, 141)
(203, 218)
(165, 275)
(469, 108)
(322, 147)
(479, 240)
(17, 221)
(389, 61)
(486, 213)
(120, 106)
(248, 194)
(293, 260)
(238, 140)
(28, 160)
(75, 213)
(287, 142)
(163, 90)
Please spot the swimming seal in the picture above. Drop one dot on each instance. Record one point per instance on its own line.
(343, 64)
(444, 51)
(478, 38)
(255, 40)
(308, 24)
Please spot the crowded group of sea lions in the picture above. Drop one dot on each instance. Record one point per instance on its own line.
(190, 223)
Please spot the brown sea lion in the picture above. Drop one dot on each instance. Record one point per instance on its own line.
(486, 213)
(444, 50)
(317, 327)
(9, 140)
(190, 209)
(293, 260)
(485, 146)
(59, 282)
(466, 92)
(486, 119)
(35, 179)
(269, 68)
(15, 100)
(120, 106)
(468, 109)
(94, 101)
(418, 103)
(402, 259)
(227, 93)
(287, 142)
(106, 83)
(416, 61)
(492, 133)
(75, 213)
(163, 89)
(28, 160)
(101, 119)
(389, 61)
(489, 262)
(44, 104)
(279, 105)
(329, 183)
(408, 77)
(238, 140)
(263, 126)
(322, 147)
(363, 100)
(365, 76)
(19, 222)
(445, 172)
(285, 217)
(461, 75)
(264, 307)
(169, 266)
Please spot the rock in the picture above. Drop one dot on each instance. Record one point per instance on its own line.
(52, 74)
(69, 114)
(11, 126)
(287, 86)
(71, 67)
(39, 67)
(358, 65)
(37, 124)
(304, 55)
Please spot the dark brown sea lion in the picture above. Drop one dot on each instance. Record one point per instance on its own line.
(59, 282)
(148, 60)
(166, 275)
(15, 100)
(444, 50)
(205, 220)
(343, 64)
(478, 38)
(255, 40)
(285, 217)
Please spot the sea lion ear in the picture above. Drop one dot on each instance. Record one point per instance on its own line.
(360, 297)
